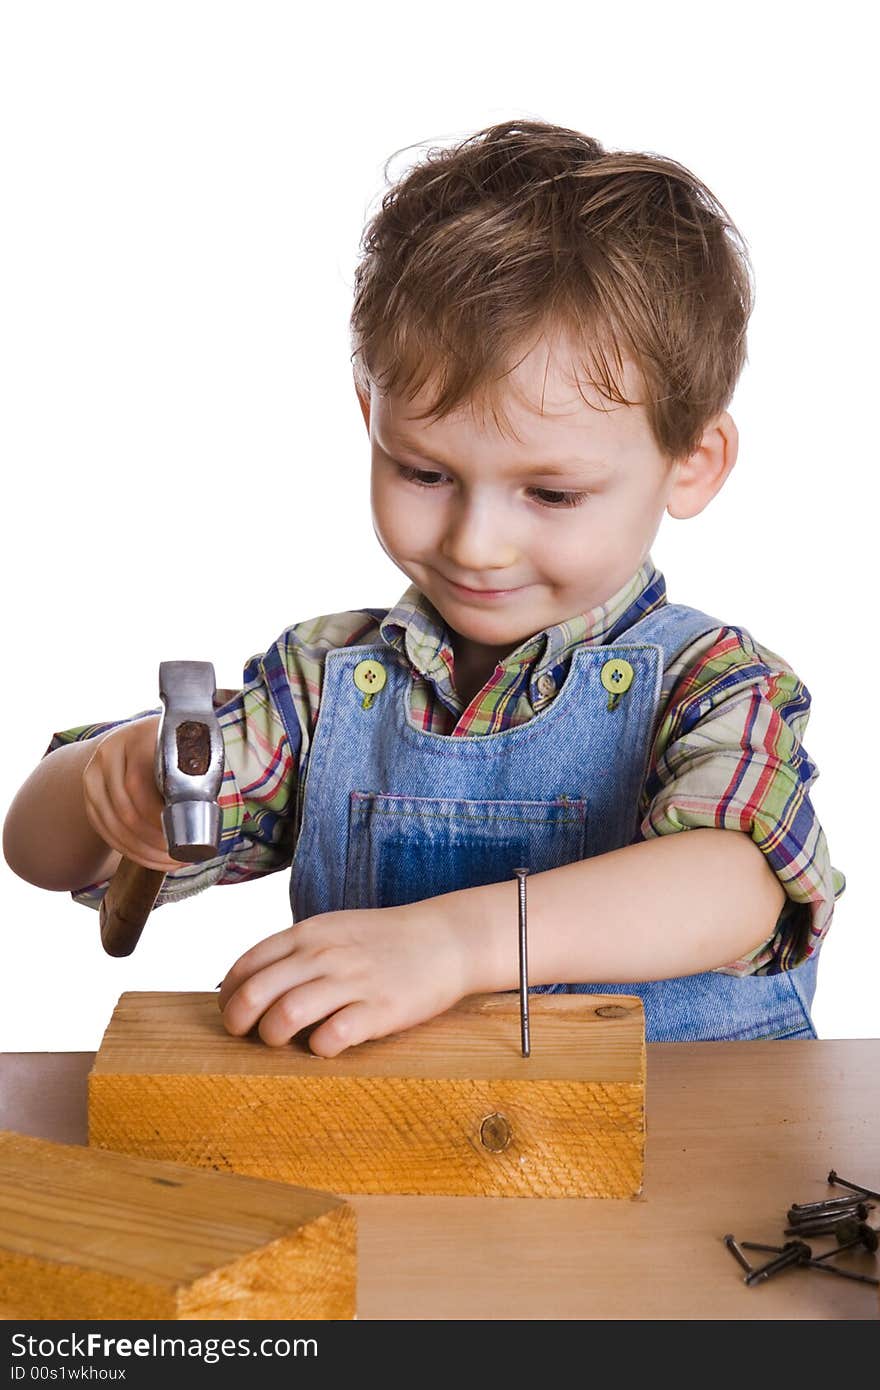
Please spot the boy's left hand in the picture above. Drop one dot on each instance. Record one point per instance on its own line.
(359, 974)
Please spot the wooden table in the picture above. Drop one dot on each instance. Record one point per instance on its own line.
(736, 1133)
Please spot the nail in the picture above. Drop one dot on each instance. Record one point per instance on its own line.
(750, 1245)
(793, 1252)
(736, 1252)
(867, 1237)
(521, 876)
(842, 1205)
(841, 1227)
(827, 1220)
(855, 1187)
(842, 1273)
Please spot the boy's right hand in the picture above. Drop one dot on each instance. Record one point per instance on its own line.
(121, 798)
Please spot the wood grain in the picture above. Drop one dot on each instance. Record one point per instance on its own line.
(406, 1114)
(89, 1234)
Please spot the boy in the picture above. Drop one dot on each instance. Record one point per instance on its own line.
(546, 338)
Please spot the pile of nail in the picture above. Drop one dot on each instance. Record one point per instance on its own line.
(844, 1218)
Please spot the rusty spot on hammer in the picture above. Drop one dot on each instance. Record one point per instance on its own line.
(193, 748)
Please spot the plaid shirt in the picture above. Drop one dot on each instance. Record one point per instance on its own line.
(726, 750)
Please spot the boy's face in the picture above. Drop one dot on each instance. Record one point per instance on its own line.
(508, 536)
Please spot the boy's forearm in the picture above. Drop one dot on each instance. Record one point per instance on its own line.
(47, 836)
(676, 905)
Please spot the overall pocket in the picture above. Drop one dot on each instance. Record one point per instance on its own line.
(405, 848)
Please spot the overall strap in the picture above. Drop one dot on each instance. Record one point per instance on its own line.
(275, 664)
(673, 627)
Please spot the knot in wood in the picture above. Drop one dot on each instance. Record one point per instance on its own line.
(495, 1133)
(612, 1011)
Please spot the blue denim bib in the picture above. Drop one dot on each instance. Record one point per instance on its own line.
(391, 814)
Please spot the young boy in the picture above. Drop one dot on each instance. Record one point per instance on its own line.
(546, 338)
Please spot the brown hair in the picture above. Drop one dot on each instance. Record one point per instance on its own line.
(526, 227)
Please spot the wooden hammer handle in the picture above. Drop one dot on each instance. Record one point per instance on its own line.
(126, 905)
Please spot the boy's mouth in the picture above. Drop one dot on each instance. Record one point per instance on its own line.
(481, 594)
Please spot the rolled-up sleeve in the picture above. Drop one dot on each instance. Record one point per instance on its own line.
(728, 755)
(258, 793)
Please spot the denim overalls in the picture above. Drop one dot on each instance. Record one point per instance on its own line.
(391, 814)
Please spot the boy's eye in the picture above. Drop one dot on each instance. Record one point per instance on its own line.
(548, 497)
(422, 476)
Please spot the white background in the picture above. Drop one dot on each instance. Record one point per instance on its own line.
(185, 470)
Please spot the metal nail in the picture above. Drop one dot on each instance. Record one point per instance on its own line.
(737, 1253)
(829, 1219)
(866, 1236)
(751, 1245)
(842, 1273)
(841, 1227)
(843, 1205)
(847, 1230)
(854, 1186)
(794, 1252)
(830, 1254)
(521, 876)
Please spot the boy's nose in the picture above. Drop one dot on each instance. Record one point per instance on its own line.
(478, 540)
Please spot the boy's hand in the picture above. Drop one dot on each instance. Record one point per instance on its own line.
(365, 973)
(120, 794)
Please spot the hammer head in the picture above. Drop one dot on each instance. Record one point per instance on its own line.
(189, 760)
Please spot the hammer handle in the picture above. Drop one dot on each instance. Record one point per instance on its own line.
(126, 905)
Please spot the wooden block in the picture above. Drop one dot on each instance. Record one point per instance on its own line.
(450, 1107)
(85, 1234)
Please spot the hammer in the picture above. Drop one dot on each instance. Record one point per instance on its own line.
(189, 772)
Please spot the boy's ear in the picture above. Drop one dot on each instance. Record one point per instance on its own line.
(700, 476)
(364, 403)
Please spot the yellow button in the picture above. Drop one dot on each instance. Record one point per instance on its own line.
(617, 676)
(370, 677)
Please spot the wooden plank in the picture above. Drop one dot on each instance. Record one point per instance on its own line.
(448, 1108)
(88, 1234)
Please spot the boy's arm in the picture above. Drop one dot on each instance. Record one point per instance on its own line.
(93, 797)
(677, 905)
(730, 839)
(728, 756)
(48, 837)
(57, 837)
(673, 906)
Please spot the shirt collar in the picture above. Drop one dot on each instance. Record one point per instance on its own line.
(415, 628)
